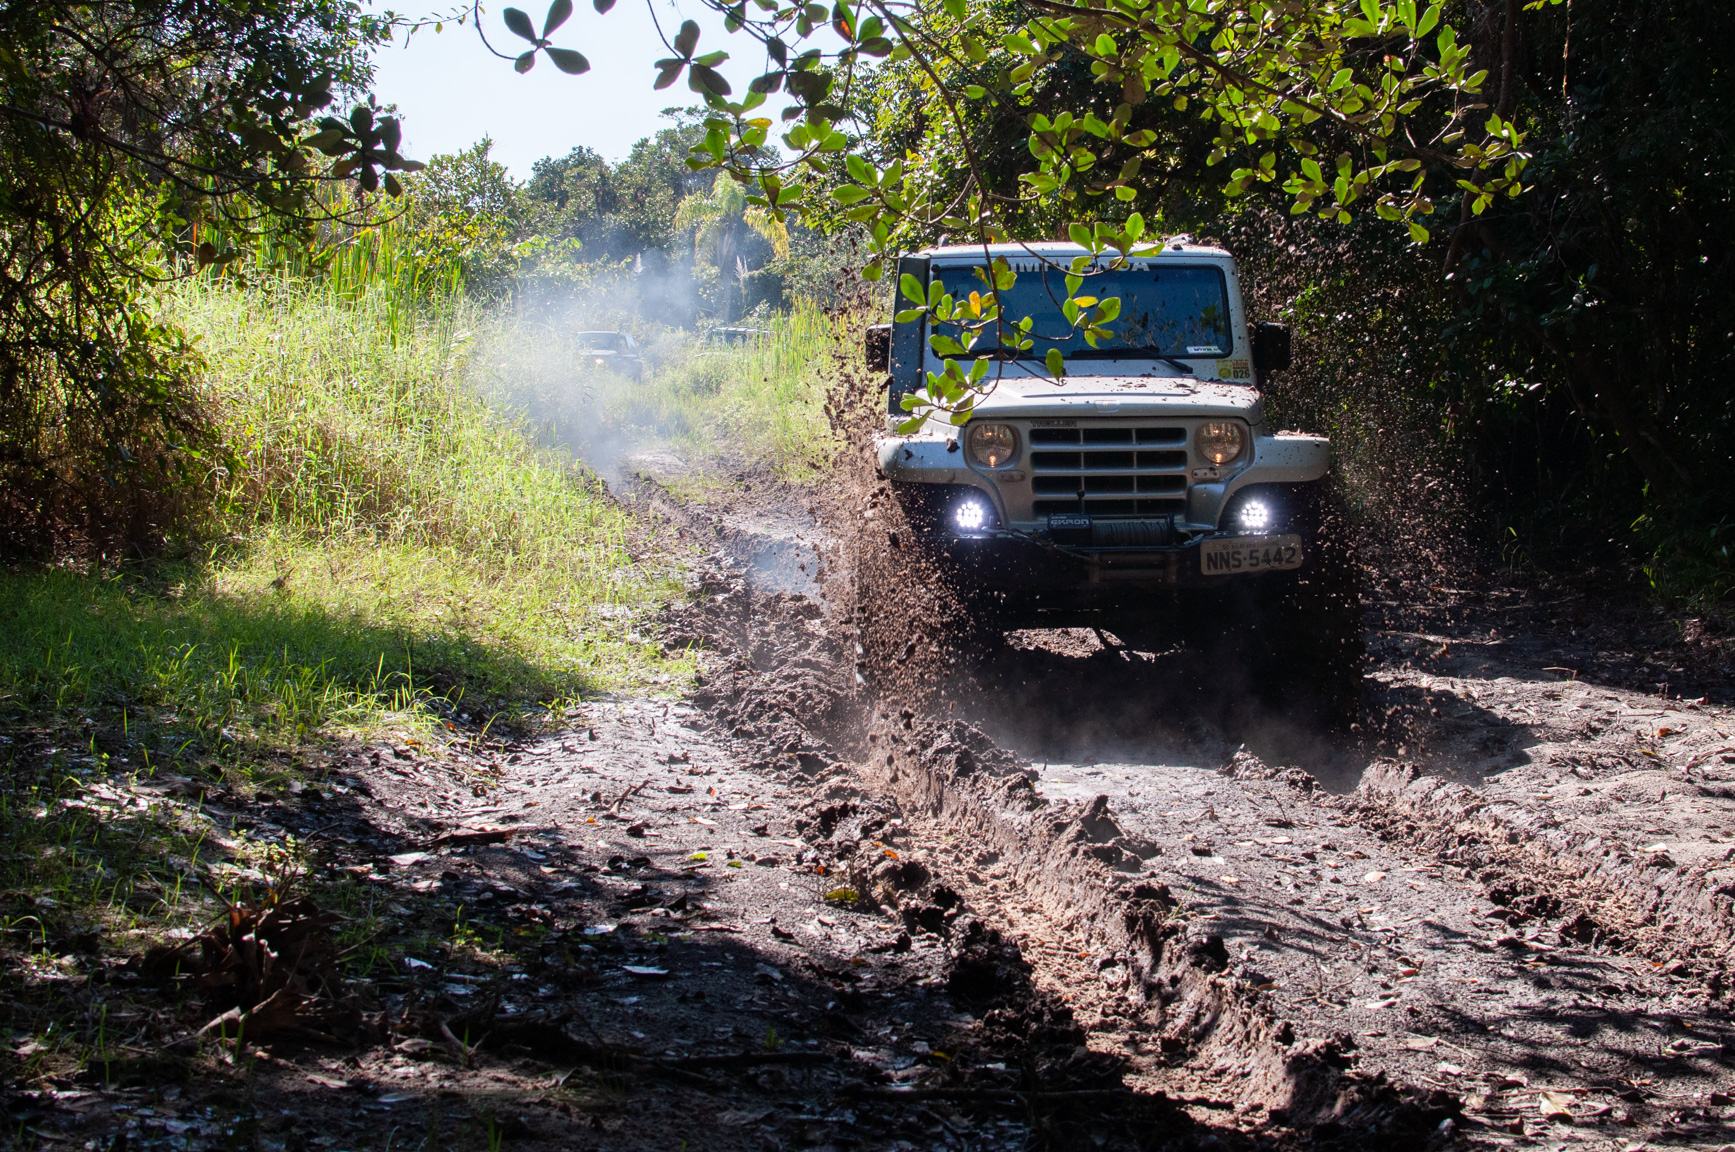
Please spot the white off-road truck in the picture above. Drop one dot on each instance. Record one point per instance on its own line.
(1143, 492)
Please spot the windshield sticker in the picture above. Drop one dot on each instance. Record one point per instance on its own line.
(1234, 370)
(1204, 350)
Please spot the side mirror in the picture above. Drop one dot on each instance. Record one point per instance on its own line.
(877, 347)
(1270, 349)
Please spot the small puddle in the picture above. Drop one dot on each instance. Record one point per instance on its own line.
(778, 548)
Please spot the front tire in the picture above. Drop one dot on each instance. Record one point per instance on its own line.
(1305, 644)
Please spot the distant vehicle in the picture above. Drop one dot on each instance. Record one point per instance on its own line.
(735, 337)
(615, 351)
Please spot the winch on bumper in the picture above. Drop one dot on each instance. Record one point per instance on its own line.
(1087, 509)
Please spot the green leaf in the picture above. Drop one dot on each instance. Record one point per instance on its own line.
(558, 13)
(1108, 310)
(1056, 363)
(913, 290)
(568, 61)
(1105, 45)
(525, 62)
(849, 194)
(668, 71)
(702, 79)
(602, 5)
(1418, 233)
(687, 38)
(519, 24)
(1081, 236)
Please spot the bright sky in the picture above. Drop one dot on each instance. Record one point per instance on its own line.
(452, 92)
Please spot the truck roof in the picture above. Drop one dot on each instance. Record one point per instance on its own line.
(1060, 251)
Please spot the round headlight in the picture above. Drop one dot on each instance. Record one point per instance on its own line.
(993, 445)
(1220, 441)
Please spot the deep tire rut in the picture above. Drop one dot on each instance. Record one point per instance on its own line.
(1418, 960)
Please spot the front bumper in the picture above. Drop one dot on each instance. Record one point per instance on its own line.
(1012, 563)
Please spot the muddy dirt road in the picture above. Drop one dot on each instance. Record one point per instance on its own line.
(1497, 911)
(1085, 897)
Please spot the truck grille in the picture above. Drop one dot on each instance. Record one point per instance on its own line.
(1108, 471)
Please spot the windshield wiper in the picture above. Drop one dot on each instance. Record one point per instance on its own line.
(1129, 354)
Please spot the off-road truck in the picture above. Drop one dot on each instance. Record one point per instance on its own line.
(1143, 492)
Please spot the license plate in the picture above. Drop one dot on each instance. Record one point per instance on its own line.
(1249, 554)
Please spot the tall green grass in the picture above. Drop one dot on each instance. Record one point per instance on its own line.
(762, 403)
(386, 550)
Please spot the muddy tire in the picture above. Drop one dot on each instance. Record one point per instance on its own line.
(918, 624)
(1304, 646)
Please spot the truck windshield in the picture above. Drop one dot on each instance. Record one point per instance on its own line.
(602, 341)
(1165, 311)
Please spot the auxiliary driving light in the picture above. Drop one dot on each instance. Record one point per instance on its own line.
(1254, 515)
(971, 515)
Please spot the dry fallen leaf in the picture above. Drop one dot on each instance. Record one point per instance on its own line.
(1554, 1104)
(1230, 879)
(1373, 877)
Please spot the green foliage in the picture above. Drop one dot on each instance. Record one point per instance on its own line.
(126, 128)
(622, 210)
(1602, 293)
(465, 210)
(1322, 101)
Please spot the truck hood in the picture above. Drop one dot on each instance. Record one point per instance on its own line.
(1041, 396)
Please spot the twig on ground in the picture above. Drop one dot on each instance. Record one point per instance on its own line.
(624, 796)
